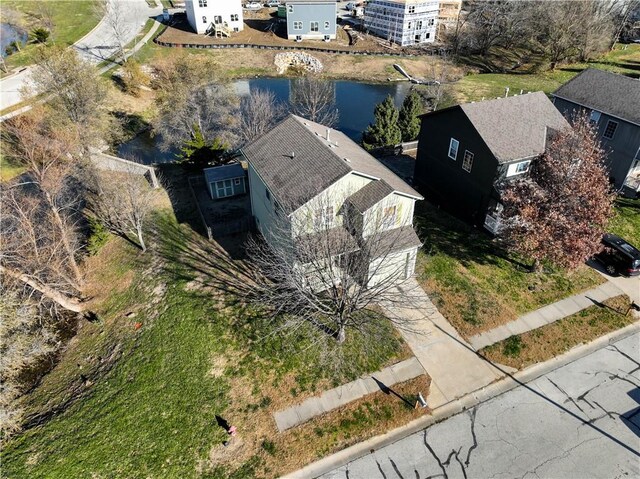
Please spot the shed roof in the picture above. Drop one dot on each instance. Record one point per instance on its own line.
(611, 93)
(298, 159)
(224, 172)
(515, 127)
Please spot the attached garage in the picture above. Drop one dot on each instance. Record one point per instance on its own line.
(226, 181)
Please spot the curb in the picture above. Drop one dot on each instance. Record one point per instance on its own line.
(461, 404)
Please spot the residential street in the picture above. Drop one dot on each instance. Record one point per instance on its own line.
(95, 47)
(579, 421)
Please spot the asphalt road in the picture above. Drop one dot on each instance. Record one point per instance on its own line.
(96, 46)
(579, 421)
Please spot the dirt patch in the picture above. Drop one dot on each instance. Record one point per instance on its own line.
(549, 341)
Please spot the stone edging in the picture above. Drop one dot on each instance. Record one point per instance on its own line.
(472, 399)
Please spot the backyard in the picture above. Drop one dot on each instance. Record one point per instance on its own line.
(135, 393)
(71, 21)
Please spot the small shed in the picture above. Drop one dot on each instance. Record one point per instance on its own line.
(226, 180)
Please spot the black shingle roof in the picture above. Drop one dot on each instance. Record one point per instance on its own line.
(610, 93)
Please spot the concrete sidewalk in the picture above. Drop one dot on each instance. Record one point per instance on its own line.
(546, 315)
(454, 367)
(337, 397)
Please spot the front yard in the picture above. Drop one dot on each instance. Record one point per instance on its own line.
(475, 285)
(135, 393)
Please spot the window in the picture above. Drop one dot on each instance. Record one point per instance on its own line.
(417, 38)
(234, 17)
(453, 148)
(427, 35)
(431, 22)
(323, 217)
(268, 194)
(314, 26)
(224, 189)
(326, 25)
(412, 9)
(217, 19)
(518, 168)
(290, 8)
(202, 3)
(297, 25)
(204, 19)
(236, 181)
(419, 24)
(409, 25)
(467, 161)
(595, 116)
(638, 154)
(610, 130)
(389, 215)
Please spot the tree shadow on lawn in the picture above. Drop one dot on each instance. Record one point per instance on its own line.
(442, 232)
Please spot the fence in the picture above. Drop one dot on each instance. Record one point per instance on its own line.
(113, 163)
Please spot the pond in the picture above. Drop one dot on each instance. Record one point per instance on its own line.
(10, 34)
(355, 102)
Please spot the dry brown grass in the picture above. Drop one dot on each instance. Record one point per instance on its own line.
(549, 341)
(371, 415)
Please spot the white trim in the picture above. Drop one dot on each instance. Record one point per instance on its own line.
(454, 157)
(464, 159)
(606, 127)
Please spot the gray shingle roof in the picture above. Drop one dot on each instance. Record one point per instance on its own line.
(515, 127)
(369, 195)
(224, 172)
(390, 241)
(316, 163)
(610, 93)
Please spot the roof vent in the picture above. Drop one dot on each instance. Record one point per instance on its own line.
(347, 160)
(293, 154)
(328, 131)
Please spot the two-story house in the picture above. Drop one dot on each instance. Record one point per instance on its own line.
(466, 151)
(311, 19)
(613, 104)
(214, 17)
(404, 22)
(313, 183)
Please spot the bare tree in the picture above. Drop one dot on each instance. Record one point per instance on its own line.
(315, 100)
(331, 270)
(259, 112)
(114, 14)
(191, 101)
(560, 211)
(24, 340)
(77, 97)
(122, 202)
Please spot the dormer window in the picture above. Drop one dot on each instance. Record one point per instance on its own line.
(610, 130)
(595, 116)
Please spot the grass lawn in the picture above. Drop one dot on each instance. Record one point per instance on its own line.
(9, 170)
(626, 222)
(491, 85)
(71, 21)
(475, 285)
(554, 339)
(141, 402)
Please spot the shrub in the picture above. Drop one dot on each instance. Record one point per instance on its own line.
(133, 77)
(40, 35)
(98, 236)
(269, 446)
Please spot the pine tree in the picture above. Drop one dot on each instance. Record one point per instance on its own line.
(199, 152)
(408, 120)
(384, 130)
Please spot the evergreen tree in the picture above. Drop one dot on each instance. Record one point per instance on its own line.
(199, 152)
(408, 120)
(384, 130)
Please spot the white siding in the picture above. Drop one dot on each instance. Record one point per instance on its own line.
(373, 217)
(222, 8)
(393, 265)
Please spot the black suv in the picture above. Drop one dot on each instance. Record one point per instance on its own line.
(619, 257)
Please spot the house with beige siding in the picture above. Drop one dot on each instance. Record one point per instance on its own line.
(319, 192)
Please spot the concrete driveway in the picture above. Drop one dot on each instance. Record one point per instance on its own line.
(579, 421)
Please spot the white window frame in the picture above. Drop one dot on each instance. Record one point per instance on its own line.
(595, 116)
(327, 25)
(202, 3)
(234, 17)
(297, 25)
(236, 181)
(412, 9)
(204, 19)
(455, 156)
(615, 128)
(467, 161)
(289, 8)
(311, 26)
(516, 168)
(227, 190)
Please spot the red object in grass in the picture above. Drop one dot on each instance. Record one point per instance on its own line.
(137, 325)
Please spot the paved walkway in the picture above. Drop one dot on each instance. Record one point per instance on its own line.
(454, 367)
(337, 397)
(546, 315)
